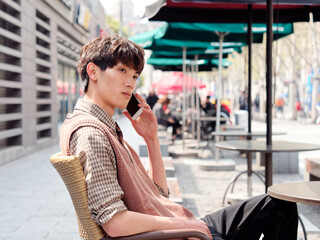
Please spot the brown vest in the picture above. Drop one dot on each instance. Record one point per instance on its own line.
(140, 193)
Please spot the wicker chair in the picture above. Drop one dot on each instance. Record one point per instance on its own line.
(70, 170)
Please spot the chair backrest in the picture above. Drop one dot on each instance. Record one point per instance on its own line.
(70, 170)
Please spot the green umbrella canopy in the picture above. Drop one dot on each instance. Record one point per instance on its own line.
(157, 40)
(175, 64)
(179, 61)
(204, 35)
(236, 32)
(211, 52)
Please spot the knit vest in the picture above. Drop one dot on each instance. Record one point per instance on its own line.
(140, 193)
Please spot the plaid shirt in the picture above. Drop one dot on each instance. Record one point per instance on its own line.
(99, 164)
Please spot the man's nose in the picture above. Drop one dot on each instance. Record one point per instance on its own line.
(129, 82)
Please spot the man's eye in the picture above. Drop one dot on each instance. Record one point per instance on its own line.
(122, 70)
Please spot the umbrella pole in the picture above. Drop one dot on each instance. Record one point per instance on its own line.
(218, 102)
(184, 54)
(269, 70)
(193, 92)
(268, 157)
(249, 154)
(198, 109)
(249, 39)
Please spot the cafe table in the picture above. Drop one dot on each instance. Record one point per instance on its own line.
(200, 120)
(246, 134)
(249, 171)
(299, 192)
(250, 146)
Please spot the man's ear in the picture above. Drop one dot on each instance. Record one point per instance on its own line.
(92, 71)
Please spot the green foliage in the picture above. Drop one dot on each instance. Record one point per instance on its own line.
(115, 25)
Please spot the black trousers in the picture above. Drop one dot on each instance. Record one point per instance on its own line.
(247, 220)
(175, 125)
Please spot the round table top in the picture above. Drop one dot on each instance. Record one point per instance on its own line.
(261, 146)
(207, 118)
(300, 192)
(244, 133)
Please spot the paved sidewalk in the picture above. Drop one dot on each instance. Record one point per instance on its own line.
(35, 203)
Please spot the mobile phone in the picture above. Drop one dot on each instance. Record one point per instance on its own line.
(133, 109)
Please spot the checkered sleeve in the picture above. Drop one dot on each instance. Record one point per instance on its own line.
(99, 164)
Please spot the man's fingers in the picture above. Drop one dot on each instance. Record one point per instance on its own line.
(140, 98)
(127, 115)
(143, 102)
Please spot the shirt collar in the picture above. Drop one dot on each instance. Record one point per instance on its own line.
(96, 111)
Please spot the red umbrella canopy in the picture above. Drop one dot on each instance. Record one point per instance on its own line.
(174, 83)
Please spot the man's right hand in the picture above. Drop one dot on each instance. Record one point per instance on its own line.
(200, 226)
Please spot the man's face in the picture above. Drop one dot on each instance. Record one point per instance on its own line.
(115, 87)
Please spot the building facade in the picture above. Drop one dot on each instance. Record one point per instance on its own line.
(40, 41)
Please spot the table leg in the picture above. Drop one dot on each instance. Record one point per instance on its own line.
(249, 166)
(249, 180)
(268, 170)
(198, 134)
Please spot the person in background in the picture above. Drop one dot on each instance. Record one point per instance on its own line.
(164, 117)
(152, 98)
(256, 103)
(243, 101)
(208, 107)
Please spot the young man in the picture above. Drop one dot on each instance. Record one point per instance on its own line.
(120, 192)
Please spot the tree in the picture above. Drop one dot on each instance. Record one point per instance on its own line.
(115, 25)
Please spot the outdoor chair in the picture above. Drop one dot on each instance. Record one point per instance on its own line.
(71, 172)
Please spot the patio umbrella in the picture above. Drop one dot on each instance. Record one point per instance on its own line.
(163, 39)
(167, 64)
(176, 64)
(221, 33)
(231, 11)
(172, 36)
(183, 34)
(169, 60)
(205, 34)
(174, 82)
(246, 11)
(209, 53)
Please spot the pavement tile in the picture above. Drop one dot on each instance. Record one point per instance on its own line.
(66, 224)
(24, 235)
(63, 236)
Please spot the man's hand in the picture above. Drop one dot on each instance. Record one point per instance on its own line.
(200, 226)
(146, 124)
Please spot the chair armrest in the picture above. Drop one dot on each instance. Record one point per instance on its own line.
(163, 235)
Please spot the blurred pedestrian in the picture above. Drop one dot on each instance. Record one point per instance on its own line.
(279, 102)
(152, 98)
(165, 118)
(243, 102)
(208, 107)
(256, 103)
